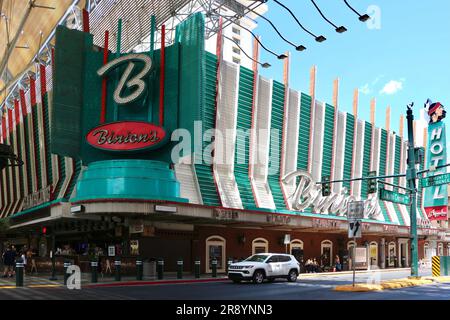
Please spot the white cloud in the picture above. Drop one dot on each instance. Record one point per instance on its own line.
(392, 87)
(365, 89)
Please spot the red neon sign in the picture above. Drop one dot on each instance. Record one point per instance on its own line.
(127, 136)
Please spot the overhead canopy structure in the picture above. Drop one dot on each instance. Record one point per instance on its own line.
(27, 25)
(24, 26)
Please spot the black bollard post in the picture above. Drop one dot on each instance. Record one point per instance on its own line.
(94, 268)
(117, 265)
(214, 268)
(180, 268)
(160, 269)
(139, 269)
(197, 268)
(19, 273)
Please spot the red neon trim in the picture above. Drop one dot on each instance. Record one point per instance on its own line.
(43, 79)
(33, 91)
(162, 75)
(252, 127)
(104, 80)
(86, 27)
(17, 111)
(219, 58)
(10, 124)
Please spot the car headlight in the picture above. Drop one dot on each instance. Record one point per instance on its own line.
(249, 267)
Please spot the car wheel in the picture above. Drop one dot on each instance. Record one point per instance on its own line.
(258, 277)
(292, 276)
(237, 281)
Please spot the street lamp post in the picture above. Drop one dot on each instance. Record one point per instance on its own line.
(53, 277)
(411, 178)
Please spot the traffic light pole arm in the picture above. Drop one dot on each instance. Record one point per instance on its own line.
(394, 185)
(364, 178)
(428, 170)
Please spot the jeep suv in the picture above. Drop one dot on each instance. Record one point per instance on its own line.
(265, 266)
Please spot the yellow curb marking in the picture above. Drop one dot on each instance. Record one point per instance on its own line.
(390, 284)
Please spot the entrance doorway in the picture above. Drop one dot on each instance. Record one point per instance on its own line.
(326, 251)
(297, 249)
(215, 248)
(392, 256)
(373, 254)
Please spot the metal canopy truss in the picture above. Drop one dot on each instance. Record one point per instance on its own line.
(136, 31)
(135, 15)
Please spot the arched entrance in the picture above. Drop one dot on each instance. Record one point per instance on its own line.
(392, 254)
(260, 245)
(326, 252)
(373, 254)
(215, 248)
(296, 249)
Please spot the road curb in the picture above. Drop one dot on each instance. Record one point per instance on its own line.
(146, 283)
(385, 285)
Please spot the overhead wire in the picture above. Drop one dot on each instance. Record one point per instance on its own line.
(297, 47)
(320, 38)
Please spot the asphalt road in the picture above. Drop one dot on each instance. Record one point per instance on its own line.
(317, 287)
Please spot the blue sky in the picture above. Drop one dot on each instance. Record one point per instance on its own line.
(410, 51)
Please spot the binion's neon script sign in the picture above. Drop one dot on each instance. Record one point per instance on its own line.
(308, 194)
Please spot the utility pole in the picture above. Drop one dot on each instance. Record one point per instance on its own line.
(411, 175)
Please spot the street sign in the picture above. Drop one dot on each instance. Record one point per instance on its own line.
(354, 229)
(395, 197)
(436, 180)
(355, 214)
(355, 210)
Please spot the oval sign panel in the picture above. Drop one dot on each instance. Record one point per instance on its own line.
(127, 136)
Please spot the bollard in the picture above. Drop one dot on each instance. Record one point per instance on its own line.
(139, 269)
(66, 275)
(214, 268)
(180, 268)
(19, 273)
(197, 268)
(160, 269)
(94, 268)
(117, 264)
(230, 261)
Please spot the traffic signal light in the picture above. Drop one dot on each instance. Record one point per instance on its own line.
(326, 187)
(372, 183)
(44, 230)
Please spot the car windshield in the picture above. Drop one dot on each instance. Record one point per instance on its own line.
(257, 258)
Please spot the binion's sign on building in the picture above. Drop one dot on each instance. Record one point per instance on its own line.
(112, 105)
(436, 197)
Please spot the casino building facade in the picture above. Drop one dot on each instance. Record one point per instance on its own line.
(250, 189)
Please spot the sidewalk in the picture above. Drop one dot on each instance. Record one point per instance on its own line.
(43, 280)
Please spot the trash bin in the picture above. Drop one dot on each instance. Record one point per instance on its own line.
(149, 269)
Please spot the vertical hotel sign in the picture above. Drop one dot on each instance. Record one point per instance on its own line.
(436, 197)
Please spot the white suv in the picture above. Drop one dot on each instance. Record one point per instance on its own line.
(265, 266)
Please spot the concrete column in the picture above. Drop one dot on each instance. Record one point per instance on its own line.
(383, 253)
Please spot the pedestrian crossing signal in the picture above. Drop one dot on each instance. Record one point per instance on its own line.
(372, 183)
(326, 187)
